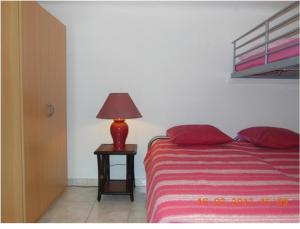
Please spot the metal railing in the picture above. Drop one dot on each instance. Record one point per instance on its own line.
(266, 34)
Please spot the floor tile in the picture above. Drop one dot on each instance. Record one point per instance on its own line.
(110, 210)
(79, 205)
(79, 194)
(137, 220)
(63, 210)
(138, 212)
(106, 221)
(45, 220)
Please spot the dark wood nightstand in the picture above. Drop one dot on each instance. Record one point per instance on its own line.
(115, 187)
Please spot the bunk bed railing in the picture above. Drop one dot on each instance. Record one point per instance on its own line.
(266, 34)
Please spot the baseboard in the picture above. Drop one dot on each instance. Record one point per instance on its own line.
(139, 182)
(82, 182)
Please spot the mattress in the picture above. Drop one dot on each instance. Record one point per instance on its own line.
(253, 59)
(234, 182)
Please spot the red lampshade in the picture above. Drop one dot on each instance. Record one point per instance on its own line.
(118, 106)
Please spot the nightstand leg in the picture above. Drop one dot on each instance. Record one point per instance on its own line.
(131, 177)
(99, 177)
(127, 173)
(127, 167)
(108, 168)
(106, 174)
(133, 171)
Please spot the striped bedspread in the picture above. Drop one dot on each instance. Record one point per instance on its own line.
(235, 182)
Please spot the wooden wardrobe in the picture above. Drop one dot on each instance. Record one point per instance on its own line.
(33, 104)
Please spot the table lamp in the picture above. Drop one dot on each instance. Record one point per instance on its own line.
(118, 106)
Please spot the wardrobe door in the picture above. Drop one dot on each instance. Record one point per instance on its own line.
(12, 204)
(42, 66)
(60, 100)
(56, 165)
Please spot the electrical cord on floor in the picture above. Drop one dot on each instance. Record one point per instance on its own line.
(83, 186)
(116, 164)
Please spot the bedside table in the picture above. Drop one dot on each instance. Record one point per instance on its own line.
(115, 187)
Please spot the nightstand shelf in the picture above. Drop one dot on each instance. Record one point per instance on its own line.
(115, 187)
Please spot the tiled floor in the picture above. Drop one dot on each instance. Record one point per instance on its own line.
(79, 205)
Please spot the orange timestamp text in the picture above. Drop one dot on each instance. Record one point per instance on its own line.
(238, 201)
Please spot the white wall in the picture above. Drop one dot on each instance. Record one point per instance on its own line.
(175, 60)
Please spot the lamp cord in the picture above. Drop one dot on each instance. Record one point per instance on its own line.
(116, 164)
(91, 186)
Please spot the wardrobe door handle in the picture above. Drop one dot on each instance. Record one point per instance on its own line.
(51, 110)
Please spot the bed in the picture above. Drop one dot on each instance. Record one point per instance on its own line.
(271, 49)
(232, 182)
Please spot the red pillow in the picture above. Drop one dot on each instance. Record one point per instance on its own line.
(197, 134)
(270, 137)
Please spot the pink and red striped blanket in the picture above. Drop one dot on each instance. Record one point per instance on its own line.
(256, 58)
(234, 182)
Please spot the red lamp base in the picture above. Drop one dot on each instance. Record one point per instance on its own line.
(119, 131)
